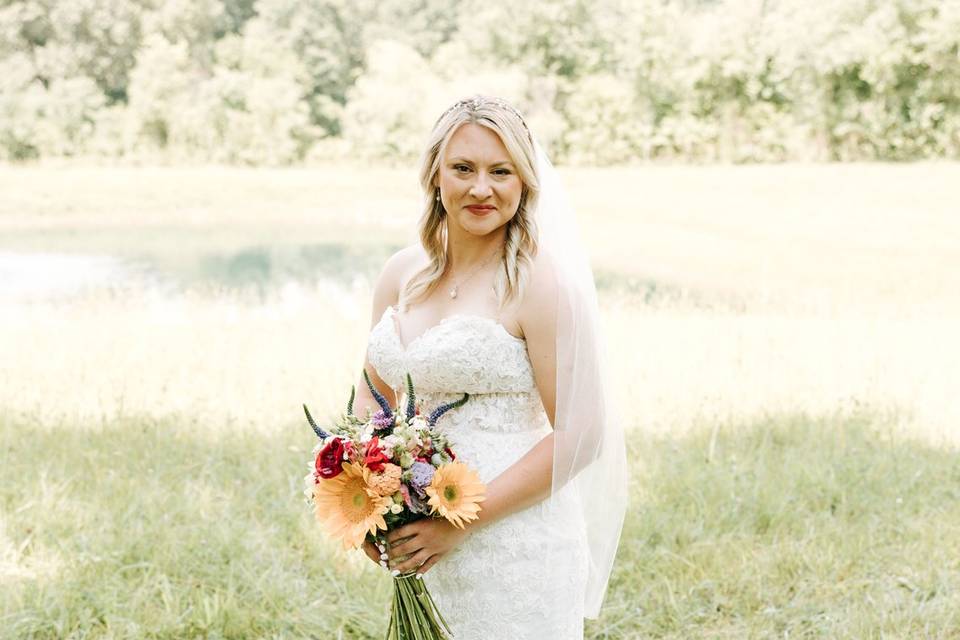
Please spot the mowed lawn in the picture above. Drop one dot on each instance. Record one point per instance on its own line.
(783, 344)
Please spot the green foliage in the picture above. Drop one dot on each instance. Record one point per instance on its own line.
(602, 82)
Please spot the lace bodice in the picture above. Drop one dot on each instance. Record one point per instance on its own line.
(483, 358)
(494, 584)
(463, 354)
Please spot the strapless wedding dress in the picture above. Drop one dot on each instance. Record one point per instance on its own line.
(493, 586)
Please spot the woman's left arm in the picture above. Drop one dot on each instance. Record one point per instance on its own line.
(528, 480)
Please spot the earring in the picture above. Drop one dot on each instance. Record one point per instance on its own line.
(438, 195)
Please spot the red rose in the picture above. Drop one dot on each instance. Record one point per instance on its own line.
(450, 453)
(374, 457)
(330, 459)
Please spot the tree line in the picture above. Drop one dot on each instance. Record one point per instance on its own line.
(272, 82)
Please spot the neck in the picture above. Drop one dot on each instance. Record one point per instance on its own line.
(465, 251)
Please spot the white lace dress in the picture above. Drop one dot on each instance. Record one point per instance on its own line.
(492, 586)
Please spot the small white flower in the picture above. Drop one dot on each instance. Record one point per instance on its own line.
(396, 508)
(366, 433)
(437, 460)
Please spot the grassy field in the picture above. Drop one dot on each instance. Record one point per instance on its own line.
(795, 527)
(789, 390)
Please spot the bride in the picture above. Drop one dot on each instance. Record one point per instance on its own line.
(497, 300)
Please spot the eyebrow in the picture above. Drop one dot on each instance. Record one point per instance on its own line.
(495, 164)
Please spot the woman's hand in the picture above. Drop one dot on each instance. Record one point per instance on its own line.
(373, 552)
(429, 540)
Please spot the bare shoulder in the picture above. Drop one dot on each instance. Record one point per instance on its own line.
(395, 271)
(537, 311)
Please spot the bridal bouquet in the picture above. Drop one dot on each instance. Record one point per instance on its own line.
(371, 475)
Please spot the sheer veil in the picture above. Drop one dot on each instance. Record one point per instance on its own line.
(589, 446)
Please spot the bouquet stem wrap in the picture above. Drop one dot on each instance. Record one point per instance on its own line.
(414, 615)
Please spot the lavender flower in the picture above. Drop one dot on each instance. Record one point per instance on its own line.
(382, 420)
(377, 395)
(421, 474)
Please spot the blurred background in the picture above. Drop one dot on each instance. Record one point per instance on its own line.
(197, 196)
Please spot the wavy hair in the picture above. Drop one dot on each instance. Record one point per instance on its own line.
(520, 246)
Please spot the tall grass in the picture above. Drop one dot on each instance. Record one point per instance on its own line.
(793, 526)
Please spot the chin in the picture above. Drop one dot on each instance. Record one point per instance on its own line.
(479, 227)
(482, 228)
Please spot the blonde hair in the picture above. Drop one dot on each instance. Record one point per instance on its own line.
(520, 245)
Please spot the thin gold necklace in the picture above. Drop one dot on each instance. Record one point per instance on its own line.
(456, 285)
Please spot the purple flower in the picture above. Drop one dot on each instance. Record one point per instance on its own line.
(381, 420)
(415, 503)
(421, 474)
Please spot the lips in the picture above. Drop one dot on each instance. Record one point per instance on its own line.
(481, 209)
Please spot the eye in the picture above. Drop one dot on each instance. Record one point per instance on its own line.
(502, 172)
(458, 167)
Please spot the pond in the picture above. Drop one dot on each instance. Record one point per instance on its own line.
(258, 269)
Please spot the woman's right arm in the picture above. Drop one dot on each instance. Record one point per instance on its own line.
(386, 292)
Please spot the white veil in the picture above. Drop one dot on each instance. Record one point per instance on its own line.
(589, 446)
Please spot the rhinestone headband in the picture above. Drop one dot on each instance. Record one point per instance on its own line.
(476, 102)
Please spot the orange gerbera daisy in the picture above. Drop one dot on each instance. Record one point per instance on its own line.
(349, 506)
(456, 492)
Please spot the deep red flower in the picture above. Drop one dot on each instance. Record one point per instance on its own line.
(450, 453)
(330, 459)
(374, 457)
(351, 451)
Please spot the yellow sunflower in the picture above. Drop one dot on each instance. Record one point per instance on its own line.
(456, 492)
(349, 506)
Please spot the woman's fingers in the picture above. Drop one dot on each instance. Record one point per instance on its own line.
(429, 563)
(371, 550)
(406, 531)
(413, 562)
(405, 548)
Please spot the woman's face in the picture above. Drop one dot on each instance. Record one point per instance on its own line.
(479, 185)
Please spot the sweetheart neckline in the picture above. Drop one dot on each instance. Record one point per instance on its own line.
(453, 316)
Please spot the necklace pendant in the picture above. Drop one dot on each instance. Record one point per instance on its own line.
(453, 292)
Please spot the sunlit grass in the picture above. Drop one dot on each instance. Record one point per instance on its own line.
(789, 526)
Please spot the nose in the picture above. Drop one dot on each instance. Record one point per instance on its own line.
(480, 188)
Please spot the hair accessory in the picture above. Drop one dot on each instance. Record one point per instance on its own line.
(475, 102)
